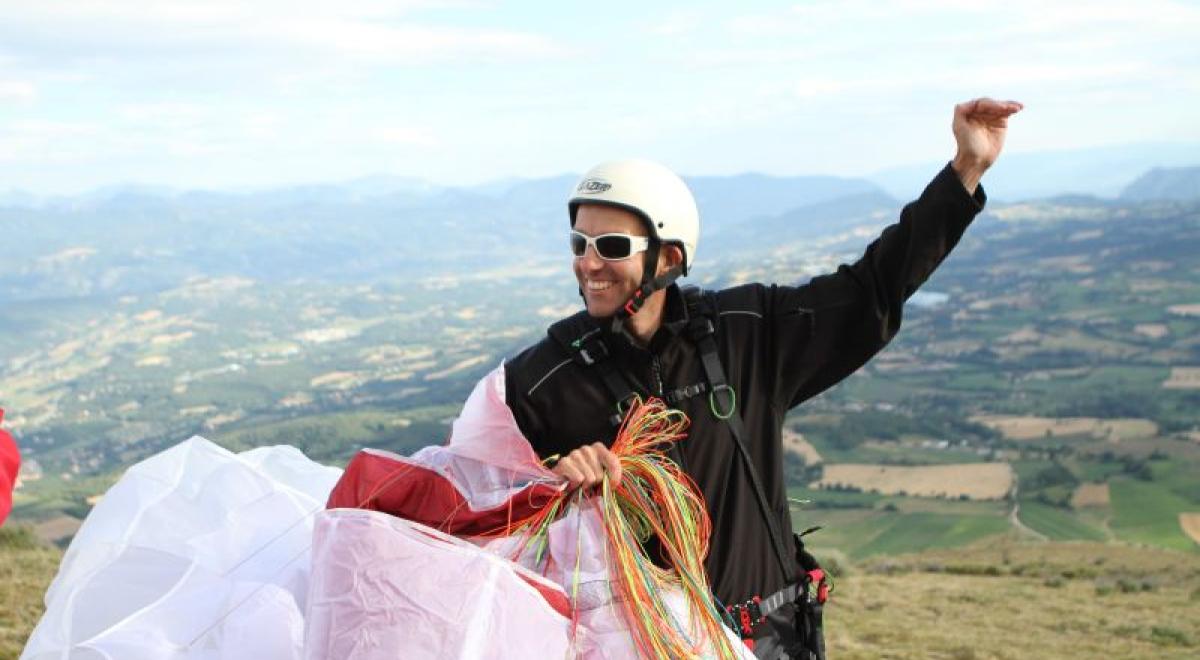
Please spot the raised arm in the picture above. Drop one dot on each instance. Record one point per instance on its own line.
(828, 328)
(979, 128)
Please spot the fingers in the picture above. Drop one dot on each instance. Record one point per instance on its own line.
(612, 465)
(986, 108)
(586, 466)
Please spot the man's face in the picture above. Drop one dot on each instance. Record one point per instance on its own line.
(606, 285)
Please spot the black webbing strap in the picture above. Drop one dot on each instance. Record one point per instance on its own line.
(583, 341)
(589, 350)
(703, 332)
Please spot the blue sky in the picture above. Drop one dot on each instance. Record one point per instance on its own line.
(228, 93)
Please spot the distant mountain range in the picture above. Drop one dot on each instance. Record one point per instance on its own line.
(1181, 183)
(129, 239)
(1098, 171)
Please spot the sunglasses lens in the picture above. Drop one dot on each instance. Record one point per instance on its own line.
(613, 247)
(578, 244)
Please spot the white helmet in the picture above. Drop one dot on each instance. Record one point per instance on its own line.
(649, 190)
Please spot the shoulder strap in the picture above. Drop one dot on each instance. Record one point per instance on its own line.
(722, 400)
(583, 340)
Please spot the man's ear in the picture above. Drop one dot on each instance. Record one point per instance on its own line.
(669, 256)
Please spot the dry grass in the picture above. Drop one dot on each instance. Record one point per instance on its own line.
(1183, 378)
(1152, 330)
(57, 528)
(26, 568)
(1090, 495)
(977, 481)
(1190, 523)
(461, 365)
(795, 443)
(1015, 427)
(1061, 600)
(1002, 599)
(337, 380)
(1185, 310)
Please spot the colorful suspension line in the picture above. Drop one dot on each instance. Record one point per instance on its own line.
(655, 499)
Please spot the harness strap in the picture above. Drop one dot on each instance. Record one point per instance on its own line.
(703, 333)
(583, 342)
(809, 593)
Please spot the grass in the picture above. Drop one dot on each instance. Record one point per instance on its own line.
(26, 568)
(1058, 524)
(864, 533)
(993, 599)
(1148, 512)
(1012, 600)
(334, 437)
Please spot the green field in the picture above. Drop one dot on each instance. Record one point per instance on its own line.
(1059, 524)
(900, 525)
(1148, 512)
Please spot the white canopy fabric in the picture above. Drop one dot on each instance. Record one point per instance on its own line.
(201, 554)
(195, 553)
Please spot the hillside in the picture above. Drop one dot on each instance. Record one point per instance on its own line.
(1178, 183)
(1000, 600)
(1059, 340)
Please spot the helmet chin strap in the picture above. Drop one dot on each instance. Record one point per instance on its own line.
(643, 293)
(650, 284)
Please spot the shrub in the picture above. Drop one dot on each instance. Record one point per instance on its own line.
(19, 537)
(835, 563)
(1168, 636)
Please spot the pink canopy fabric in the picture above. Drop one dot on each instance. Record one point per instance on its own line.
(201, 554)
(484, 477)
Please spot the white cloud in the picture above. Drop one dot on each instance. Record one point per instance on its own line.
(676, 23)
(17, 91)
(172, 113)
(83, 33)
(418, 137)
(39, 140)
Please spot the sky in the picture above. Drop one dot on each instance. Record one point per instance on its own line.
(233, 94)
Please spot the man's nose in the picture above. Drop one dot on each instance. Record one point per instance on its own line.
(590, 259)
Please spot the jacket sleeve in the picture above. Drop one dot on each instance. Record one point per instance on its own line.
(826, 329)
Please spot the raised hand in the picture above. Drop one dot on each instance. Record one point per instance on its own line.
(979, 128)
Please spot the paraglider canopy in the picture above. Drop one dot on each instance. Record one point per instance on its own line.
(10, 462)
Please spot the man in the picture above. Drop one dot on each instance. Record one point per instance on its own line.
(768, 348)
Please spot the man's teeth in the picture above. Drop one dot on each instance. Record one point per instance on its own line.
(598, 286)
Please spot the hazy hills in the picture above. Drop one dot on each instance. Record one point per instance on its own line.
(1181, 183)
(131, 239)
(1096, 171)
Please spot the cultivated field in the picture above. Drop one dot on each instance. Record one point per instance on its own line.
(1018, 427)
(1183, 378)
(795, 443)
(1190, 523)
(1090, 494)
(977, 481)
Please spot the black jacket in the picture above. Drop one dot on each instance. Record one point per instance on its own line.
(780, 345)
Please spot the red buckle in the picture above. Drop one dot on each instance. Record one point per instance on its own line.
(817, 576)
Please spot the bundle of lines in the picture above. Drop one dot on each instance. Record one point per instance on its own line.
(655, 498)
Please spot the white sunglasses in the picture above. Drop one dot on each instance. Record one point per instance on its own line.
(609, 247)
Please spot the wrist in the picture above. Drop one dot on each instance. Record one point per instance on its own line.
(969, 170)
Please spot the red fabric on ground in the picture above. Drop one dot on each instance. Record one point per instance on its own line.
(10, 462)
